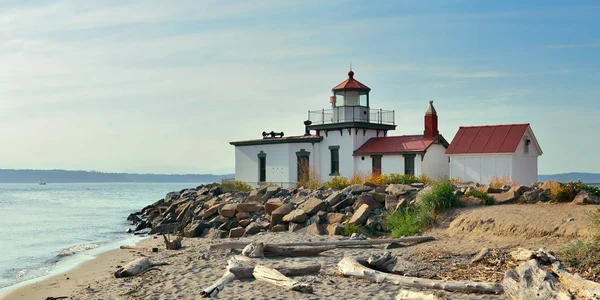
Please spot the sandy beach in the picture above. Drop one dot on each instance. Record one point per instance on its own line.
(194, 268)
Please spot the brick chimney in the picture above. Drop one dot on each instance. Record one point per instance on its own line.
(431, 122)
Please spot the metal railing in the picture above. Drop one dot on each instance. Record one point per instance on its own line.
(352, 114)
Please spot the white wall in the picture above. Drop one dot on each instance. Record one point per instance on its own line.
(435, 162)
(480, 168)
(392, 164)
(525, 165)
(348, 142)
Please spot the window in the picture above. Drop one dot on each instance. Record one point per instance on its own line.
(303, 165)
(527, 142)
(376, 164)
(335, 160)
(262, 167)
(409, 164)
(363, 100)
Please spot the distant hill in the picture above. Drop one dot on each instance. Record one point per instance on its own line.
(64, 176)
(584, 177)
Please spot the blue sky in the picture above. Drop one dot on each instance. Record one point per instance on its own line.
(157, 86)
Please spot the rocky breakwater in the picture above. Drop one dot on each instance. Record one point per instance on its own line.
(209, 211)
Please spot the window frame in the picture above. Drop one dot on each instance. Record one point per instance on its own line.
(334, 163)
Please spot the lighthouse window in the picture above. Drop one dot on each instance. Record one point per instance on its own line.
(363, 100)
(335, 160)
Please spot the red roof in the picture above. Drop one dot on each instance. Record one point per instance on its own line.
(351, 83)
(396, 144)
(487, 139)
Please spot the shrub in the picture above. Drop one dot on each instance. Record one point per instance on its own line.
(396, 178)
(349, 229)
(567, 192)
(487, 199)
(425, 179)
(441, 197)
(377, 179)
(500, 181)
(235, 185)
(359, 178)
(337, 183)
(591, 189)
(407, 222)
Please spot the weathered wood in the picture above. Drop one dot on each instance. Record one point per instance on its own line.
(350, 266)
(136, 267)
(246, 273)
(410, 295)
(576, 284)
(530, 281)
(148, 249)
(350, 243)
(174, 244)
(382, 262)
(254, 250)
(273, 276)
(480, 255)
(219, 285)
(275, 250)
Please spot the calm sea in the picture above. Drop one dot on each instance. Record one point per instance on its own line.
(45, 228)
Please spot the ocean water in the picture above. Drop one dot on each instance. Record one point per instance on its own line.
(49, 228)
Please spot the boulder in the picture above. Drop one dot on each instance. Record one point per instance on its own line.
(335, 229)
(399, 189)
(243, 215)
(313, 205)
(391, 203)
(245, 222)
(195, 229)
(419, 197)
(363, 199)
(273, 204)
(278, 228)
(212, 211)
(237, 232)
(164, 228)
(214, 234)
(360, 215)
(402, 203)
(228, 210)
(333, 218)
(521, 189)
(250, 207)
(550, 185)
(490, 190)
(530, 281)
(256, 227)
(296, 216)
(379, 197)
(585, 197)
(343, 204)
(357, 189)
(470, 201)
(172, 196)
(255, 196)
(313, 229)
(535, 196)
(334, 198)
(509, 197)
(292, 227)
(141, 225)
(277, 215)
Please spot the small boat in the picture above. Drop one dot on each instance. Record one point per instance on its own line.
(42, 182)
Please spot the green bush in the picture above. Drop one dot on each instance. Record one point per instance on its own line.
(337, 183)
(583, 255)
(396, 178)
(591, 189)
(441, 197)
(235, 185)
(408, 222)
(487, 199)
(349, 229)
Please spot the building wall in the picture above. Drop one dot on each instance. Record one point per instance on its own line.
(435, 162)
(525, 165)
(480, 168)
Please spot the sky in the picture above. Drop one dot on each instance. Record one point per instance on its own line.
(164, 86)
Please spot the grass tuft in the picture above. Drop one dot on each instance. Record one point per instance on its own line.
(349, 229)
(441, 197)
(235, 185)
(409, 221)
(337, 183)
(487, 199)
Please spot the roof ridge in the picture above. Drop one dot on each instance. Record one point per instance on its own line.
(497, 125)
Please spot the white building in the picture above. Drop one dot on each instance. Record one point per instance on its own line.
(349, 138)
(479, 153)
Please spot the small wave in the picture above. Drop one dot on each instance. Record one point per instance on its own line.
(76, 249)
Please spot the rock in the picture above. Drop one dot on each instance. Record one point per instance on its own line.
(245, 222)
(490, 190)
(509, 197)
(141, 225)
(313, 205)
(294, 227)
(363, 199)
(172, 196)
(313, 229)
(195, 229)
(278, 228)
(256, 227)
(237, 232)
(550, 185)
(228, 210)
(334, 198)
(361, 215)
(391, 203)
(536, 196)
(335, 229)
(479, 256)
(296, 216)
(255, 196)
(272, 204)
(470, 201)
(348, 210)
(218, 220)
(584, 197)
(250, 207)
(419, 197)
(243, 215)
(214, 234)
(521, 254)
(357, 189)
(521, 189)
(212, 211)
(379, 197)
(358, 237)
(164, 228)
(333, 218)
(402, 203)
(343, 204)
(530, 281)
(399, 189)
(277, 215)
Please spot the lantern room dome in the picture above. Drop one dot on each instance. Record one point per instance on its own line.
(351, 84)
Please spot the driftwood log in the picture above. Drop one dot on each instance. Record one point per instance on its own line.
(136, 267)
(350, 243)
(273, 276)
(350, 266)
(254, 250)
(174, 244)
(246, 273)
(219, 285)
(148, 249)
(577, 285)
(260, 250)
(384, 263)
(410, 295)
(530, 281)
